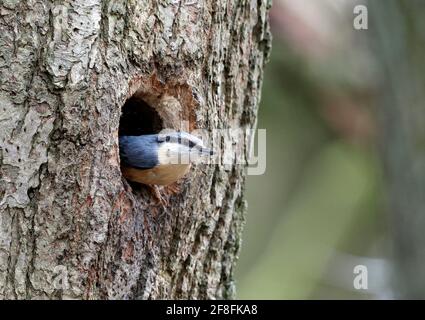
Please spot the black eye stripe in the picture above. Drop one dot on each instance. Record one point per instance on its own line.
(180, 140)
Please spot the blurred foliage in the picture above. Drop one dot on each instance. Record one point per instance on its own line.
(320, 195)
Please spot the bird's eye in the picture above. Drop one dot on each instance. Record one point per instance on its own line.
(167, 138)
(191, 144)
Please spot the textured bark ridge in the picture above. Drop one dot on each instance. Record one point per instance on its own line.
(70, 226)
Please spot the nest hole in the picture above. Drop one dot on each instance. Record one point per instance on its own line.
(138, 118)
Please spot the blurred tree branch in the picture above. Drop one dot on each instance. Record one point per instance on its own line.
(398, 43)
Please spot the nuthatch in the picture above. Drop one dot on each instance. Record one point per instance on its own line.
(159, 159)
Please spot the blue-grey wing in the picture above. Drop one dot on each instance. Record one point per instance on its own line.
(139, 151)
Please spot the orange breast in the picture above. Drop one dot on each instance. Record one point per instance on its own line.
(160, 175)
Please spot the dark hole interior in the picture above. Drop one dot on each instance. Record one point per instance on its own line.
(137, 118)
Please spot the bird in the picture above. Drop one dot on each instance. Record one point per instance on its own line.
(160, 159)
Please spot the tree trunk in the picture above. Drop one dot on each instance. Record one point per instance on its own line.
(70, 225)
(398, 30)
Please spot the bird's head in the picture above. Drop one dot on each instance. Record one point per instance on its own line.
(180, 147)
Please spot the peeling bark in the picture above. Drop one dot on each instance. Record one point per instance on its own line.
(70, 225)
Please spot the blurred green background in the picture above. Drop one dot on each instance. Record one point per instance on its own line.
(318, 211)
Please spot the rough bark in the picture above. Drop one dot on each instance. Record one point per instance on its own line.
(70, 226)
(398, 41)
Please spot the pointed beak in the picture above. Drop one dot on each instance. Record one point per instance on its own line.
(206, 152)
